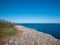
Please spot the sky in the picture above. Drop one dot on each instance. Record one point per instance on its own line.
(30, 11)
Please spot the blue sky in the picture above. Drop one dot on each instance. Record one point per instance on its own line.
(30, 11)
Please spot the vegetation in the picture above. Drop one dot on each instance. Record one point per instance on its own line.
(7, 29)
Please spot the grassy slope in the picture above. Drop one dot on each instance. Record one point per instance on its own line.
(7, 29)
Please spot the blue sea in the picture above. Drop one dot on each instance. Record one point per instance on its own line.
(50, 28)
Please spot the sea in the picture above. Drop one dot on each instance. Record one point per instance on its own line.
(49, 28)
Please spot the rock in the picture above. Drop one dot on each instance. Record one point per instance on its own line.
(31, 37)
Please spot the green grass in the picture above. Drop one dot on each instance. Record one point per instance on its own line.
(10, 31)
(7, 29)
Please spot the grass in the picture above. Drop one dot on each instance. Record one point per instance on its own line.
(7, 29)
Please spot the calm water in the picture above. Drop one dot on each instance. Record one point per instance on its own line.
(53, 29)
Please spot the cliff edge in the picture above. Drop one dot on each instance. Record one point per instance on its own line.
(28, 36)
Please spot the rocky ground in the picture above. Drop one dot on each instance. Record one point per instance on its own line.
(28, 36)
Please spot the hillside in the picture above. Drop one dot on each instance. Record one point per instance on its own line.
(7, 29)
(12, 34)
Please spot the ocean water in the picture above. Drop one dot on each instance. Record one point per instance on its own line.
(53, 29)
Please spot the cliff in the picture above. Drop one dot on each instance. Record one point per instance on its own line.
(28, 36)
